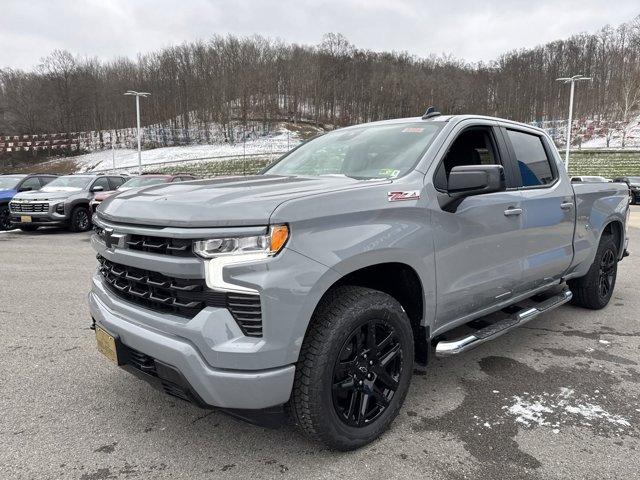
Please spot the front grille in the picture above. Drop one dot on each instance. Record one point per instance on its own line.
(182, 297)
(166, 246)
(29, 207)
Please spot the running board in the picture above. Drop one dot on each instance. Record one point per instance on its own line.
(447, 348)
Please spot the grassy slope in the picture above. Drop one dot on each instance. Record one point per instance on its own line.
(607, 163)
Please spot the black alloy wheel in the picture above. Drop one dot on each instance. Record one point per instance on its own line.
(594, 290)
(606, 279)
(80, 219)
(366, 373)
(354, 369)
(5, 218)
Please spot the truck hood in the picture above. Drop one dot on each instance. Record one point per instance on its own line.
(44, 196)
(231, 201)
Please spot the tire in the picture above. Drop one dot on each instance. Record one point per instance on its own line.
(29, 228)
(338, 368)
(594, 290)
(5, 218)
(80, 220)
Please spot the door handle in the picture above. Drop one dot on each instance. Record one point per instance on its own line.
(566, 205)
(511, 212)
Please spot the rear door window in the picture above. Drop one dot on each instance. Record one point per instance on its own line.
(45, 180)
(532, 160)
(116, 182)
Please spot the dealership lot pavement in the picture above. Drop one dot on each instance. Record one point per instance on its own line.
(559, 398)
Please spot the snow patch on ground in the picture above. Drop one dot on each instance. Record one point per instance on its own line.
(561, 408)
(278, 142)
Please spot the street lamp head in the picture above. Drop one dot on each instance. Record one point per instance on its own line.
(137, 94)
(575, 78)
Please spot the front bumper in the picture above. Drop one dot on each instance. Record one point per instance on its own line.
(204, 384)
(49, 217)
(40, 220)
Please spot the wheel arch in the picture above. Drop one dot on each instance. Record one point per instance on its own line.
(399, 280)
(616, 228)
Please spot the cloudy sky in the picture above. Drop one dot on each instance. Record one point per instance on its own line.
(469, 29)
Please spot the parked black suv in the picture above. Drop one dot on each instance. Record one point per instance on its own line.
(634, 187)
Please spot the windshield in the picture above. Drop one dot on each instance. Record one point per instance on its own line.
(375, 151)
(9, 183)
(142, 182)
(69, 183)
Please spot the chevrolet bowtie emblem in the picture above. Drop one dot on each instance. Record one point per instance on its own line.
(112, 239)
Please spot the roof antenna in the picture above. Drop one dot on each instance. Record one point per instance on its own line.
(430, 113)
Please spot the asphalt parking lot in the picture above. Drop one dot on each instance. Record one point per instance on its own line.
(559, 398)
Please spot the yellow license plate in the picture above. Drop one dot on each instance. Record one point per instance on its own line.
(106, 345)
(25, 219)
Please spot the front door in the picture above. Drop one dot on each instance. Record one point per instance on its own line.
(478, 246)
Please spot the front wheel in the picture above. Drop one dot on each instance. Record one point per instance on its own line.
(354, 369)
(80, 219)
(5, 218)
(594, 290)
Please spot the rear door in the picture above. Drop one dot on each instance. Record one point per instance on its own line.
(548, 207)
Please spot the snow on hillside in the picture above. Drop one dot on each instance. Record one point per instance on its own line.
(277, 142)
(632, 137)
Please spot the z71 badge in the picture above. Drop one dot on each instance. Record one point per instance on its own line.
(406, 195)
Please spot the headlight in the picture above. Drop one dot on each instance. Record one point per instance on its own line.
(267, 245)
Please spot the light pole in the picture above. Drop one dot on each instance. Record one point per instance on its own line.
(572, 81)
(138, 95)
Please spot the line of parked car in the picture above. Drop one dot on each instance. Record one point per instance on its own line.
(30, 201)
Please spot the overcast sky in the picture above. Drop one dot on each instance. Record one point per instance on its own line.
(469, 29)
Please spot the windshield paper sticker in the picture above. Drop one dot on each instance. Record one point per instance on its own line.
(412, 130)
(406, 195)
(389, 173)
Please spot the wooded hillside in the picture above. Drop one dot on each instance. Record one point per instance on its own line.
(333, 82)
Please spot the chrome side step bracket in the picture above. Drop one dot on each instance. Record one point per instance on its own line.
(446, 348)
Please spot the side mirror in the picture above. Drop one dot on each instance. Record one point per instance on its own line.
(97, 188)
(468, 180)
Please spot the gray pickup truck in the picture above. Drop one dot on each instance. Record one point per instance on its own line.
(62, 202)
(313, 287)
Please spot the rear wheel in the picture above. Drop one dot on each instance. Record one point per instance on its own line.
(5, 218)
(354, 369)
(594, 290)
(80, 219)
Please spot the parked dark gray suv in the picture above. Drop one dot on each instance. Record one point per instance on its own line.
(63, 202)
